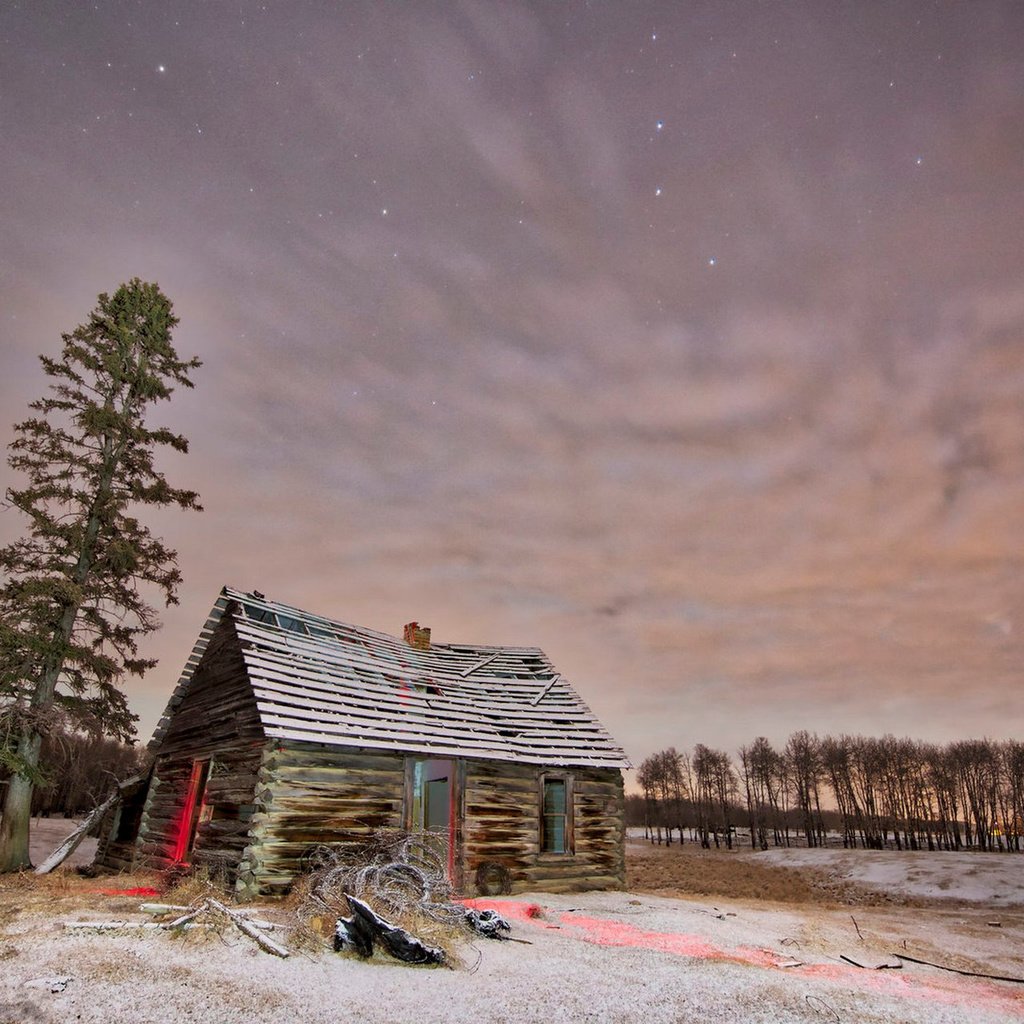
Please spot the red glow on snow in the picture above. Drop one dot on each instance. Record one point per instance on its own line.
(142, 890)
(511, 910)
(619, 933)
(602, 932)
(944, 991)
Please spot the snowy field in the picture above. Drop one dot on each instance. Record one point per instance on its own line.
(993, 880)
(590, 957)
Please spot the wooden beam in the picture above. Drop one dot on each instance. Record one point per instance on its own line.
(543, 693)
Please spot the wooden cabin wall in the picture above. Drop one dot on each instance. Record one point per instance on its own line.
(502, 826)
(217, 720)
(309, 794)
(118, 829)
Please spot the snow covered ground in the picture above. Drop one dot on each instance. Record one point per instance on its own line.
(46, 834)
(993, 879)
(605, 957)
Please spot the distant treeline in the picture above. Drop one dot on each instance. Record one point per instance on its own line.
(78, 772)
(860, 791)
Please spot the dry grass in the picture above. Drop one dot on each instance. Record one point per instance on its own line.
(65, 892)
(197, 885)
(688, 870)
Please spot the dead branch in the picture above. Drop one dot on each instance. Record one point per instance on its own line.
(249, 928)
(819, 1006)
(957, 970)
(880, 966)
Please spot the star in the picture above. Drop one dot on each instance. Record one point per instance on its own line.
(161, 68)
(919, 161)
(712, 262)
(657, 191)
(658, 125)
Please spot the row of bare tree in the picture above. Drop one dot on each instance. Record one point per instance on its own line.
(853, 790)
(80, 772)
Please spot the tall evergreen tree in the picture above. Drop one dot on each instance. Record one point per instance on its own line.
(72, 596)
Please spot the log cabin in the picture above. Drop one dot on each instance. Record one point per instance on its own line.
(288, 731)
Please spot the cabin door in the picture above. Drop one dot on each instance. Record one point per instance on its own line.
(193, 813)
(432, 803)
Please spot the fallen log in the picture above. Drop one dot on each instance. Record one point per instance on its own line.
(70, 844)
(118, 926)
(185, 923)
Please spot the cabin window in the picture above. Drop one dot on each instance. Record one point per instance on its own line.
(556, 814)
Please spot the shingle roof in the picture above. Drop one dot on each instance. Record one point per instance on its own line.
(324, 681)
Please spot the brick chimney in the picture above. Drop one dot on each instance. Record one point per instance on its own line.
(416, 636)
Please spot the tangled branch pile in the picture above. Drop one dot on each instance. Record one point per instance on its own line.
(398, 873)
(401, 875)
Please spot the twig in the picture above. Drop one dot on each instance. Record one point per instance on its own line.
(956, 970)
(857, 926)
(184, 919)
(819, 1006)
(865, 967)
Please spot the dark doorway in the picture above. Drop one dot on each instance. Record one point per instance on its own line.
(432, 801)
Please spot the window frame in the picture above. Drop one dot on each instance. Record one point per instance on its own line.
(569, 833)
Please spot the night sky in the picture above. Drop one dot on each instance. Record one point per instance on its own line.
(683, 340)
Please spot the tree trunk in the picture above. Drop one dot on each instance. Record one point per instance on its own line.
(14, 855)
(14, 827)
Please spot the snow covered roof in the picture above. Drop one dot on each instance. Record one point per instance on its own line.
(323, 681)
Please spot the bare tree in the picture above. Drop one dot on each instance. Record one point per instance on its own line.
(803, 764)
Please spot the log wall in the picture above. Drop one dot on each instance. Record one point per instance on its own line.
(309, 794)
(502, 827)
(217, 720)
(118, 830)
